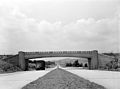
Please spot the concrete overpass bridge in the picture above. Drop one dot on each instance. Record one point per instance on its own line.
(21, 59)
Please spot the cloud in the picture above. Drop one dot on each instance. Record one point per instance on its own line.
(18, 32)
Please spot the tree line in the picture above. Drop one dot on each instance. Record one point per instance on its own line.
(76, 64)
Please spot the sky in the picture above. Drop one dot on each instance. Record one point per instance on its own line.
(55, 25)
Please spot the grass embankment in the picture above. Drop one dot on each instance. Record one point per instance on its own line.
(61, 79)
(7, 67)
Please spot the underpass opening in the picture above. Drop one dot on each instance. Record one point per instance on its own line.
(46, 63)
(75, 62)
(35, 64)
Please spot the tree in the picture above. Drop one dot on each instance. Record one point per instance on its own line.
(81, 65)
(76, 63)
(85, 65)
(68, 64)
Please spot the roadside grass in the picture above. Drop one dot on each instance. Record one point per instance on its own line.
(7, 67)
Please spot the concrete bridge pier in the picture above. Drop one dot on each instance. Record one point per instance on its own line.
(26, 64)
(89, 63)
(94, 60)
(22, 62)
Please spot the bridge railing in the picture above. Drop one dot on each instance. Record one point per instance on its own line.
(60, 52)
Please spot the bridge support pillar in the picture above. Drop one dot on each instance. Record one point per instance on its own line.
(89, 63)
(22, 63)
(94, 60)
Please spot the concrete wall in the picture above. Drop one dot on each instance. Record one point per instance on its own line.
(22, 62)
(94, 60)
(13, 60)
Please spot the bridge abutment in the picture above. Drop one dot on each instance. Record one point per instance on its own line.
(94, 60)
(22, 63)
(89, 63)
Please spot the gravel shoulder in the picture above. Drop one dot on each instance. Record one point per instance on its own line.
(61, 79)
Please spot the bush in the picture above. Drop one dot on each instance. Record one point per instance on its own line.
(69, 64)
(76, 63)
(80, 65)
(86, 65)
(7, 67)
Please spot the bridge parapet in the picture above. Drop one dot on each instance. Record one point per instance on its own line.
(60, 52)
(41, 54)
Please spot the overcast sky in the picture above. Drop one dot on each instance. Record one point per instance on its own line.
(40, 25)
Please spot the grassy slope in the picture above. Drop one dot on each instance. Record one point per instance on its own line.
(67, 60)
(7, 67)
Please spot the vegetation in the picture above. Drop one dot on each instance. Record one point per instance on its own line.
(49, 64)
(86, 65)
(111, 54)
(69, 64)
(76, 64)
(114, 64)
(7, 67)
(36, 64)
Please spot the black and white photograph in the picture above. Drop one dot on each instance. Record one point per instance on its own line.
(59, 44)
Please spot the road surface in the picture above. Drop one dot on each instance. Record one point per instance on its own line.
(17, 80)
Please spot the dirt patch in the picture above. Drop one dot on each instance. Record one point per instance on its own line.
(61, 79)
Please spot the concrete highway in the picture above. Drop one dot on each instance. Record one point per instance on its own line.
(17, 80)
